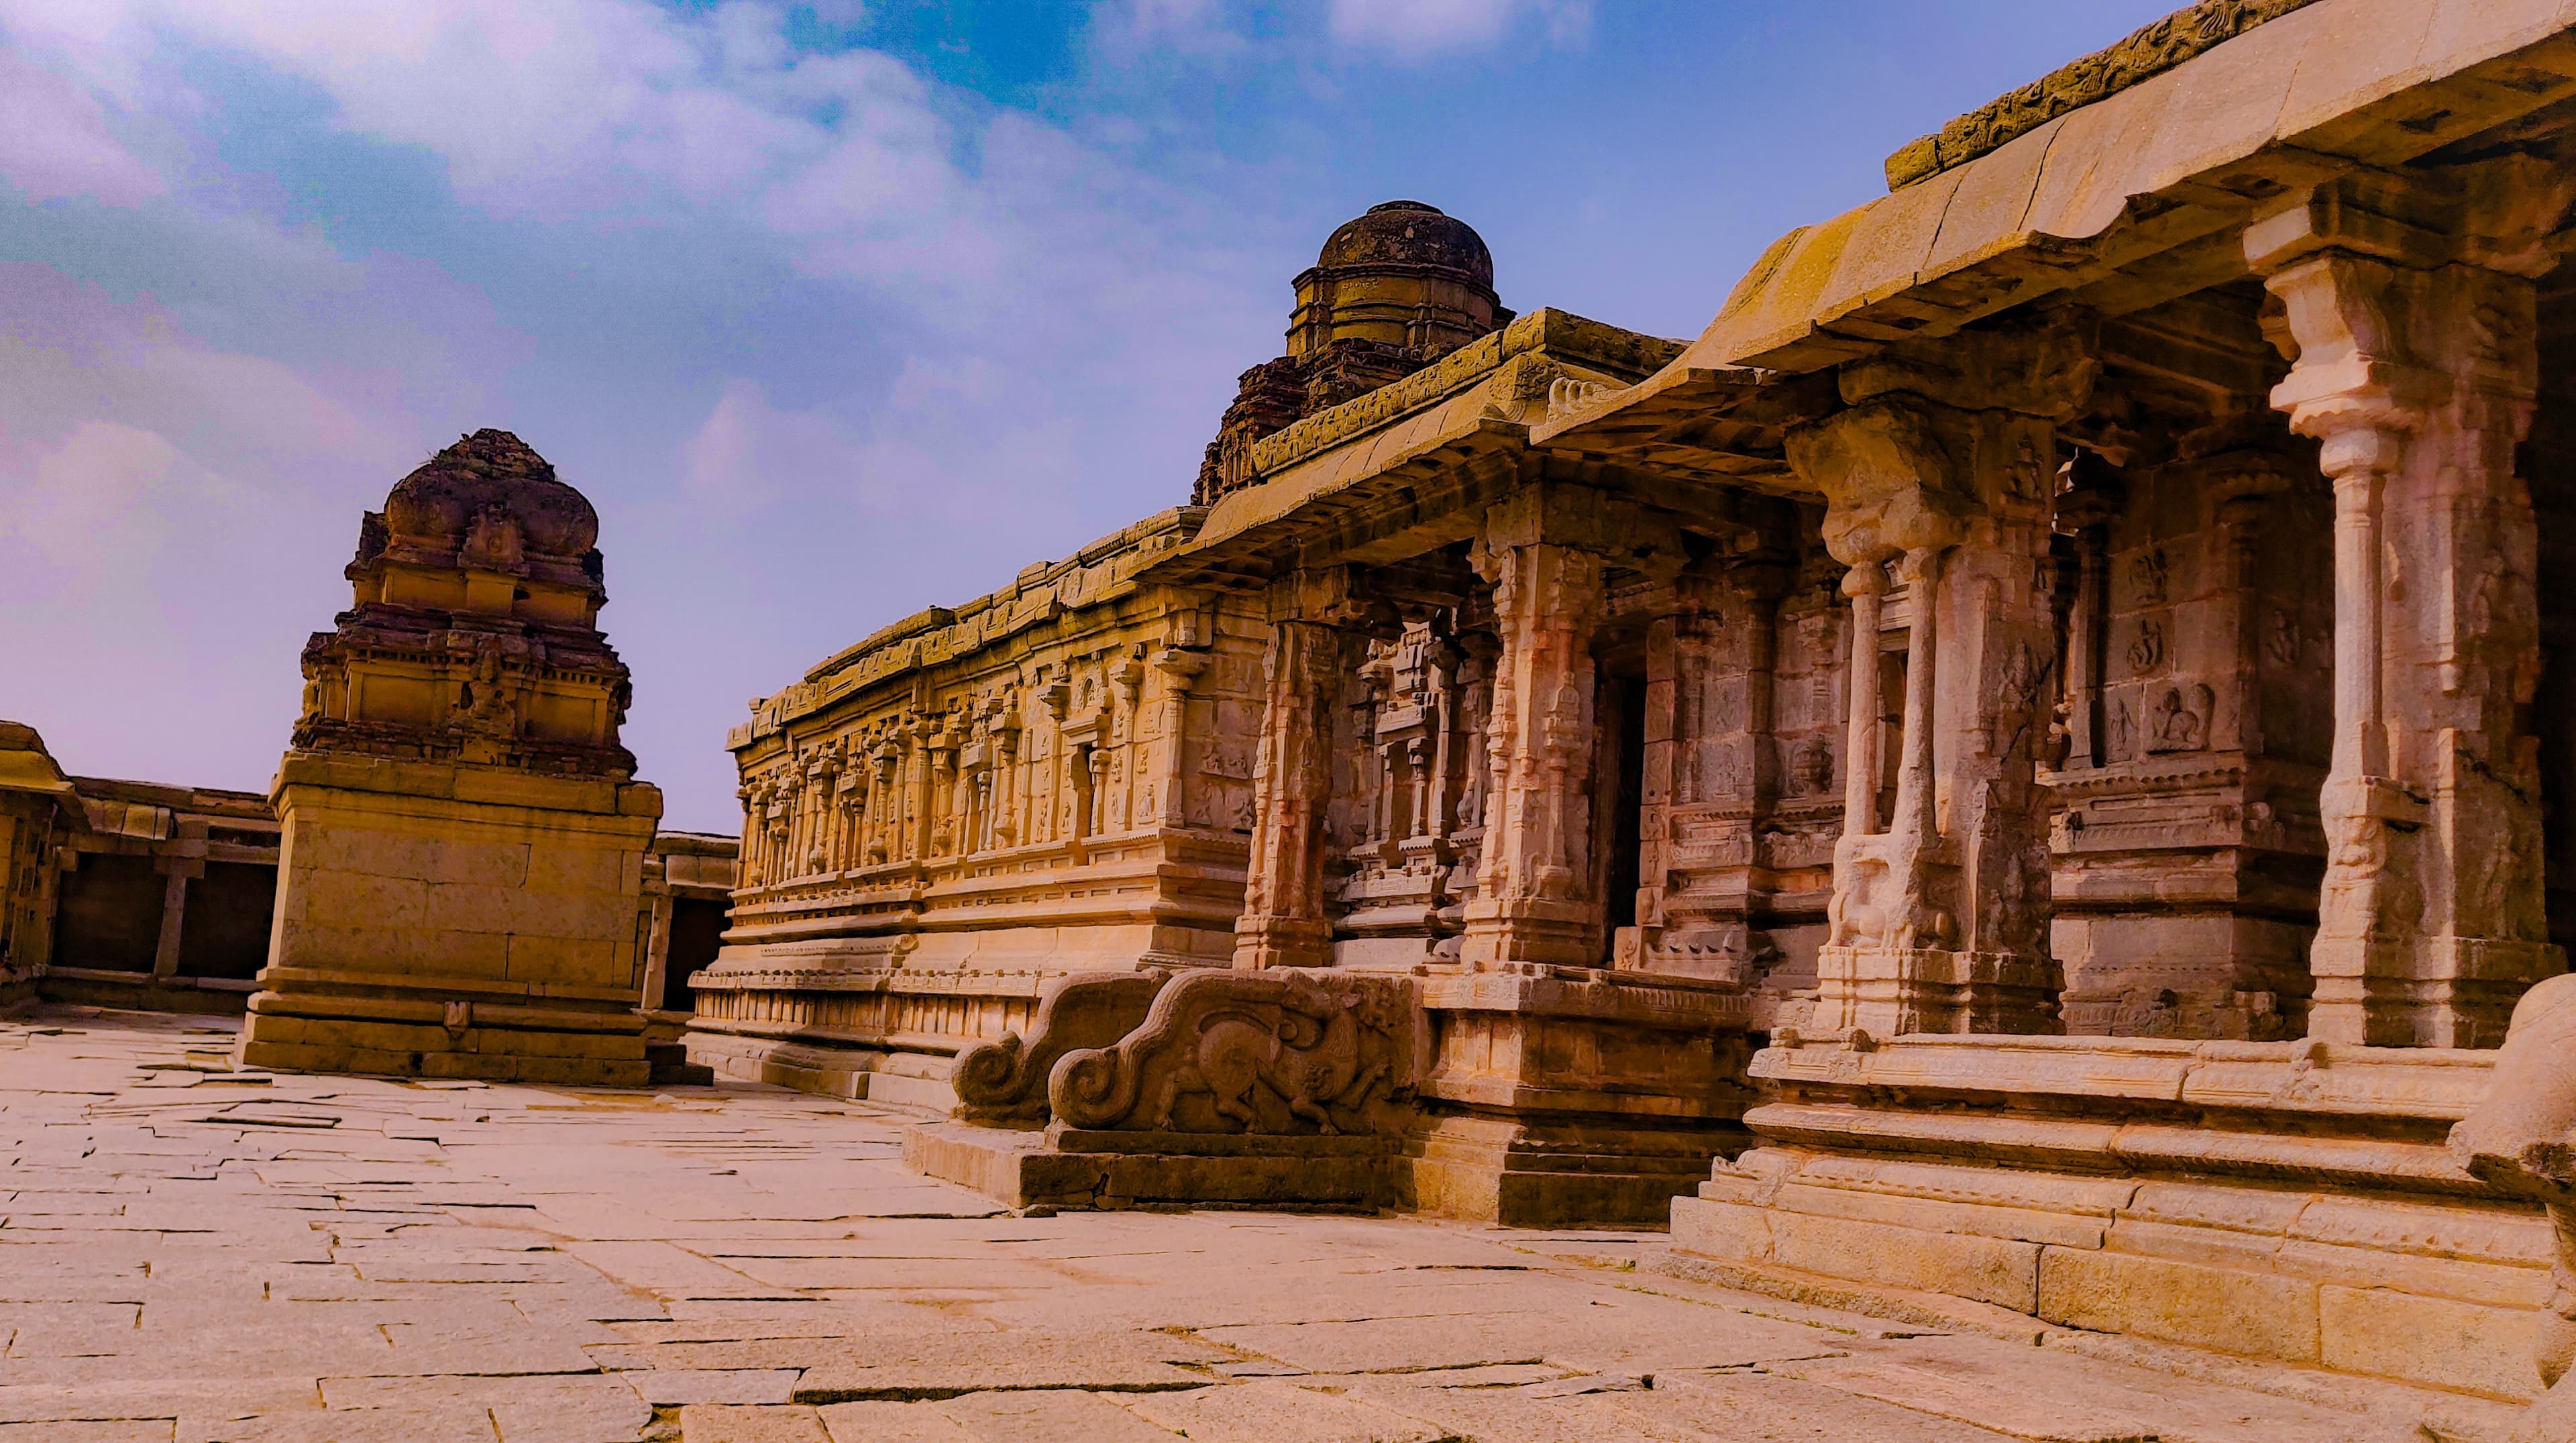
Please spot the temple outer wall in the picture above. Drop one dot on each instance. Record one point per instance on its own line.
(1051, 780)
(455, 921)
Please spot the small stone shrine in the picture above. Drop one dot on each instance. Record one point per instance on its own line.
(463, 836)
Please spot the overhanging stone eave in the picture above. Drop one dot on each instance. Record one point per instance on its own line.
(1245, 531)
(1574, 345)
(2194, 151)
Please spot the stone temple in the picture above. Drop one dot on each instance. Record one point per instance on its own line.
(2029, 768)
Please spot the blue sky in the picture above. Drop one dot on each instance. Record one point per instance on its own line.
(834, 310)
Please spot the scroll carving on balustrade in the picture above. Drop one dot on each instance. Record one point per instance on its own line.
(1005, 1080)
(1279, 1052)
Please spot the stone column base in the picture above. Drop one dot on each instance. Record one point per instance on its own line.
(449, 920)
(1555, 1173)
(1925, 989)
(2423, 991)
(1532, 929)
(1282, 942)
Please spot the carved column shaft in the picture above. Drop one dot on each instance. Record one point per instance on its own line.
(1283, 922)
(2419, 382)
(1866, 585)
(1910, 816)
(1180, 668)
(917, 813)
(1939, 922)
(1534, 900)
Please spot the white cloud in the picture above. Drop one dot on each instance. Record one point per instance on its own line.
(748, 453)
(97, 506)
(1048, 333)
(1199, 28)
(72, 355)
(1414, 29)
(55, 140)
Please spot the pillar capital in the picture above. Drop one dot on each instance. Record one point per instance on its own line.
(2353, 383)
(1867, 578)
(1887, 479)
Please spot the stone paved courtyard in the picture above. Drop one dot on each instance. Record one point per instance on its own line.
(197, 1254)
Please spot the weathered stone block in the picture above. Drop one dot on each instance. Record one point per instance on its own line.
(2385, 1333)
(2001, 1271)
(1713, 1228)
(2233, 1310)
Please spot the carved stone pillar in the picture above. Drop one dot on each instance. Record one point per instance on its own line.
(1535, 897)
(1561, 1087)
(1939, 918)
(1866, 585)
(2084, 515)
(2417, 370)
(1713, 773)
(1284, 922)
(749, 871)
(886, 761)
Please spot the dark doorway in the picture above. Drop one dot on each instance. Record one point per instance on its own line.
(1626, 798)
(223, 932)
(697, 930)
(110, 916)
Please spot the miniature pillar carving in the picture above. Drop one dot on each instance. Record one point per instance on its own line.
(1180, 666)
(2418, 379)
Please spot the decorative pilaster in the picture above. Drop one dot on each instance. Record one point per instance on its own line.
(2416, 370)
(1181, 660)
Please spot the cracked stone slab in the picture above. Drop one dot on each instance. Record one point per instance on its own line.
(900, 1367)
(1280, 1412)
(521, 1264)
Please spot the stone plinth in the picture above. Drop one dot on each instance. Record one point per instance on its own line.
(2293, 1202)
(1573, 1095)
(463, 841)
(454, 921)
(1079, 1168)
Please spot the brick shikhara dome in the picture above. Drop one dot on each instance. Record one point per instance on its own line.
(1393, 290)
(488, 474)
(1410, 233)
(473, 631)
